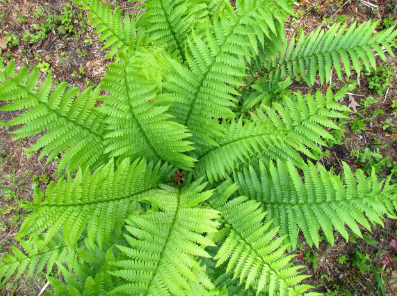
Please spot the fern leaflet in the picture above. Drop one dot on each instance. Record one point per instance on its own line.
(100, 201)
(74, 127)
(35, 258)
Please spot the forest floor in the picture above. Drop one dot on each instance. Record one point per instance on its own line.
(55, 36)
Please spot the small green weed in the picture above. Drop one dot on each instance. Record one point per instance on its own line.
(342, 260)
(79, 73)
(21, 19)
(379, 81)
(2, 16)
(388, 22)
(88, 39)
(358, 125)
(81, 53)
(12, 39)
(38, 13)
(312, 257)
(388, 124)
(368, 101)
(66, 19)
(360, 261)
(371, 159)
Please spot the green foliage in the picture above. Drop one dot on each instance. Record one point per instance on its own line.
(380, 81)
(322, 201)
(34, 259)
(72, 126)
(100, 202)
(339, 47)
(372, 160)
(12, 39)
(164, 246)
(199, 88)
(360, 261)
(358, 125)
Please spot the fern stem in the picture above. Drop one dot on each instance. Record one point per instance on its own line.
(234, 141)
(320, 202)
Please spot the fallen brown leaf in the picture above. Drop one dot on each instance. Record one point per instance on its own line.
(353, 104)
(3, 43)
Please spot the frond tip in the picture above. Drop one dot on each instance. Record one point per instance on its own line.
(118, 35)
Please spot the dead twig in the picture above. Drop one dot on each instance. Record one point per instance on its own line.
(8, 234)
(387, 92)
(44, 288)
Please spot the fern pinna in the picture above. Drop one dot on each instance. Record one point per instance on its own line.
(196, 86)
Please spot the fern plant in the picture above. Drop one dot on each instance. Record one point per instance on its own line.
(194, 90)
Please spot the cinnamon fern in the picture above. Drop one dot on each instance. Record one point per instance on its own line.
(191, 168)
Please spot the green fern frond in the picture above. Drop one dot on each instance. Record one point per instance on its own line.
(243, 141)
(204, 91)
(322, 201)
(250, 249)
(117, 34)
(232, 287)
(308, 120)
(170, 22)
(137, 125)
(85, 272)
(337, 48)
(275, 132)
(100, 201)
(72, 126)
(161, 258)
(32, 261)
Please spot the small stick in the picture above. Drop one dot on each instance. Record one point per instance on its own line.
(48, 5)
(43, 289)
(341, 166)
(348, 1)
(387, 92)
(330, 78)
(8, 234)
